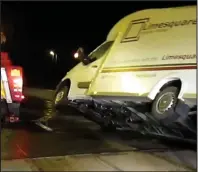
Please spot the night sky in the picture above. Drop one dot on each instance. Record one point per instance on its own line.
(35, 28)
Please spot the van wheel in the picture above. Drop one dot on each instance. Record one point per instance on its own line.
(164, 101)
(60, 98)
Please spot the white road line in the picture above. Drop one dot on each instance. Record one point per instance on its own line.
(20, 150)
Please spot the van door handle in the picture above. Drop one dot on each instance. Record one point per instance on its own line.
(94, 66)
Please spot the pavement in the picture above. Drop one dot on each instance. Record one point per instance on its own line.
(77, 144)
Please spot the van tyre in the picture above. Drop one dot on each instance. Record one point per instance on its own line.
(60, 98)
(164, 102)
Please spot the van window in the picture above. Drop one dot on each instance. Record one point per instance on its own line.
(101, 50)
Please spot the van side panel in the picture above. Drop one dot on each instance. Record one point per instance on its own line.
(156, 45)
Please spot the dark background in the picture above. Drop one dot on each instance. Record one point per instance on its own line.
(35, 28)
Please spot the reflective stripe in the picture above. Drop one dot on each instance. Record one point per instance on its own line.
(2, 91)
(5, 85)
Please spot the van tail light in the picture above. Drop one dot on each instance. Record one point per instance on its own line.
(15, 80)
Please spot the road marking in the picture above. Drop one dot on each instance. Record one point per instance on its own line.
(20, 150)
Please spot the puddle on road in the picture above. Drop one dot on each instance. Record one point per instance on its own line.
(72, 121)
(78, 135)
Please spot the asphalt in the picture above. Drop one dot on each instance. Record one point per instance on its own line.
(74, 135)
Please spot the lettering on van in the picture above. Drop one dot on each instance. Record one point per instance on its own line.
(168, 25)
(139, 59)
(140, 26)
(178, 57)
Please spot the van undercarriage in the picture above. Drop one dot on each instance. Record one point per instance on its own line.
(127, 116)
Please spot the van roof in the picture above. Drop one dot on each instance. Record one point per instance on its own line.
(120, 26)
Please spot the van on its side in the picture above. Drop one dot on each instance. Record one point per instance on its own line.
(148, 56)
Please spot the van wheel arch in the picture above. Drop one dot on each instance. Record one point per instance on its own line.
(173, 83)
(66, 82)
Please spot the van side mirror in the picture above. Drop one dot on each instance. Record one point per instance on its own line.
(80, 55)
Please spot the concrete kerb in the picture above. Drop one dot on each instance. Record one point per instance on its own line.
(138, 161)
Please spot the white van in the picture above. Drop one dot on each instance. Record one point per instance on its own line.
(148, 56)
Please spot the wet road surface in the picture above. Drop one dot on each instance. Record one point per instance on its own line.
(74, 135)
